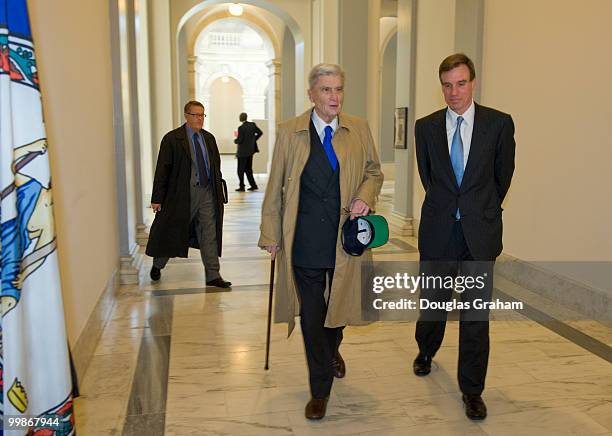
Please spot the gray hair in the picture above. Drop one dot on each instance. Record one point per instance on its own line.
(324, 70)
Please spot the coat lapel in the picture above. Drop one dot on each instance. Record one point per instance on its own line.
(319, 157)
(339, 144)
(302, 143)
(184, 142)
(441, 144)
(477, 145)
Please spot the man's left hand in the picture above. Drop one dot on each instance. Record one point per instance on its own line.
(359, 208)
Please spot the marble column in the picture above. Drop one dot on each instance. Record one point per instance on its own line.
(402, 216)
(191, 72)
(125, 122)
(273, 103)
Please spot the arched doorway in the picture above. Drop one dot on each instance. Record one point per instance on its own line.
(287, 40)
(233, 48)
(223, 105)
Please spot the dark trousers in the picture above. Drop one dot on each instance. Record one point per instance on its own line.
(321, 343)
(245, 165)
(473, 326)
(202, 208)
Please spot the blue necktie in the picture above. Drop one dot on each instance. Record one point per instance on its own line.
(201, 161)
(329, 149)
(456, 156)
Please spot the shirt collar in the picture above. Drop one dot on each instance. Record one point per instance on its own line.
(468, 115)
(190, 132)
(320, 124)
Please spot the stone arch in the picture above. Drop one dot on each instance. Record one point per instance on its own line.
(301, 55)
(260, 26)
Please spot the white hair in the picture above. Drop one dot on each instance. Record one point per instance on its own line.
(324, 70)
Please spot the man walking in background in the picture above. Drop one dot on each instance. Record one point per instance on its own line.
(188, 198)
(248, 134)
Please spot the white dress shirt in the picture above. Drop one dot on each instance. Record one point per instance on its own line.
(467, 128)
(320, 125)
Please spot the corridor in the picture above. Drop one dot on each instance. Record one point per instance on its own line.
(177, 358)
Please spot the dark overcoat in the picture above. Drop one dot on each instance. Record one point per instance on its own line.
(172, 231)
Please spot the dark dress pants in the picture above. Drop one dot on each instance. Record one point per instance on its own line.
(473, 325)
(245, 165)
(321, 343)
(204, 209)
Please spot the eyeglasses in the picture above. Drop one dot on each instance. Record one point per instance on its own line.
(196, 115)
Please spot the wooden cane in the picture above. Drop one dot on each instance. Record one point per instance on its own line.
(266, 367)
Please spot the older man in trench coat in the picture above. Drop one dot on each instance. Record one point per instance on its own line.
(188, 198)
(325, 169)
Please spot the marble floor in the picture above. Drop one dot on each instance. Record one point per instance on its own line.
(177, 358)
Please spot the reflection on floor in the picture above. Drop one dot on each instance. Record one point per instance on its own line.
(180, 359)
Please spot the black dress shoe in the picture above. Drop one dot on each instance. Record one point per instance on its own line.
(219, 283)
(155, 274)
(316, 408)
(422, 365)
(475, 408)
(240, 189)
(339, 366)
(253, 188)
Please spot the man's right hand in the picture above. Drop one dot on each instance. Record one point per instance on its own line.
(156, 207)
(272, 249)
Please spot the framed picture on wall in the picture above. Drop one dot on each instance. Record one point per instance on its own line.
(401, 127)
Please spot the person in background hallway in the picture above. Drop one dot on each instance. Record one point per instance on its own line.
(324, 169)
(248, 134)
(465, 156)
(188, 198)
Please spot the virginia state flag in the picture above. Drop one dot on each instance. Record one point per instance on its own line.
(35, 369)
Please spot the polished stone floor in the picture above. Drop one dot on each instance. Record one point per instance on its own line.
(178, 358)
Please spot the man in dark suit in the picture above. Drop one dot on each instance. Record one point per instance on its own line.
(248, 134)
(465, 156)
(188, 197)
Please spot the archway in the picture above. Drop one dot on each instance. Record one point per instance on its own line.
(298, 55)
(232, 47)
(222, 108)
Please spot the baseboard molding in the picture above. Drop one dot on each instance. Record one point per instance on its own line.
(142, 236)
(416, 222)
(594, 304)
(401, 225)
(129, 267)
(85, 346)
(579, 297)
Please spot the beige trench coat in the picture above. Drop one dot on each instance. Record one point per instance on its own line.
(360, 177)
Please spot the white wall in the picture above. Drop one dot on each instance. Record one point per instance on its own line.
(223, 111)
(78, 111)
(435, 41)
(553, 77)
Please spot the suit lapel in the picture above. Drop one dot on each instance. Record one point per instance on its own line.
(441, 145)
(477, 144)
(320, 157)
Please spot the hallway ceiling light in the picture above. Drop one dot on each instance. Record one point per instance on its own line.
(235, 9)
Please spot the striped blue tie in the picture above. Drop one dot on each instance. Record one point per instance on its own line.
(329, 149)
(456, 156)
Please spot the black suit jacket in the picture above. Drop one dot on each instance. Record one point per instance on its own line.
(172, 232)
(248, 134)
(485, 183)
(316, 227)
